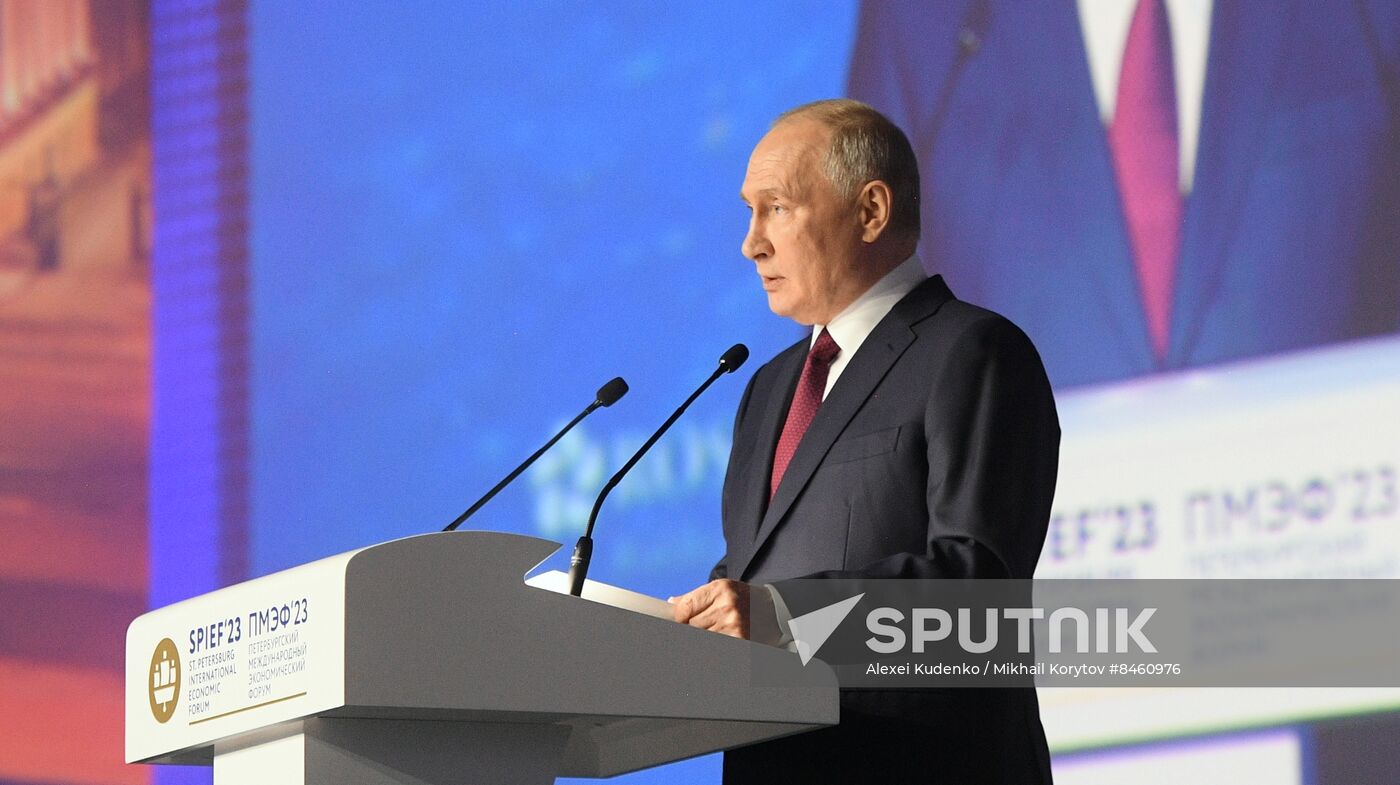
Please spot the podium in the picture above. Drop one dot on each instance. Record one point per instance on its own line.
(429, 660)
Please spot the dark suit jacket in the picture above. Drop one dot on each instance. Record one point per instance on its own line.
(1290, 237)
(933, 456)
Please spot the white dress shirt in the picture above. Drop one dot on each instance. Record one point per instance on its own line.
(1105, 26)
(852, 326)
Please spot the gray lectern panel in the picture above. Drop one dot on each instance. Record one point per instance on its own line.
(443, 626)
(419, 659)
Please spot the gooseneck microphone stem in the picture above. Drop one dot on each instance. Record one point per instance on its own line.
(583, 550)
(627, 467)
(491, 494)
(607, 396)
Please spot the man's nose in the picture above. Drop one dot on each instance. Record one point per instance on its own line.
(755, 245)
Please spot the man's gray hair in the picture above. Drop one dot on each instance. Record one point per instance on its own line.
(866, 146)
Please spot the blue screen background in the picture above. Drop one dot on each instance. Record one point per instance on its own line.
(464, 219)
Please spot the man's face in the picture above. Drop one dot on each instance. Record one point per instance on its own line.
(804, 238)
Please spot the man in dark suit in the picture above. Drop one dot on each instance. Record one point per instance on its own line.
(1275, 125)
(911, 436)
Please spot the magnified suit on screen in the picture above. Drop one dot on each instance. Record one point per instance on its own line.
(1288, 235)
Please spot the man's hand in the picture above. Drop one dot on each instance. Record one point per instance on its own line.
(718, 606)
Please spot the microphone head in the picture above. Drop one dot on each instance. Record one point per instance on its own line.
(609, 393)
(735, 357)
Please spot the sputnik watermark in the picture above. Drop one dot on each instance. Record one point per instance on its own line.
(892, 633)
(889, 637)
(932, 625)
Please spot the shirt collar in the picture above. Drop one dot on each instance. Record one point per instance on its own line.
(853, 325)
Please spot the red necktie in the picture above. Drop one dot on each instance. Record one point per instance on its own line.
(1146, 159)
(805, 402)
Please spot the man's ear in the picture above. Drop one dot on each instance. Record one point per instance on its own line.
(873, 203)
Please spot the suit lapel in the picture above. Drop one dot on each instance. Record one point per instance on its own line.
(891, 337)
(1097, 236)
(1245, 45)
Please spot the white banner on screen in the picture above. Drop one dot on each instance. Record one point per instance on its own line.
(1285, 467)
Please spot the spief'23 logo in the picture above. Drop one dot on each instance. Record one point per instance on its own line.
(164, 686)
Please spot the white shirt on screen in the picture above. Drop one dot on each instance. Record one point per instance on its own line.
(1105, 26)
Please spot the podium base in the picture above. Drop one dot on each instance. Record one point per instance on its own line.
(395, 752)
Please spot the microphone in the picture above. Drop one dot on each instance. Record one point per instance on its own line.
(729, 362)
(607, 395)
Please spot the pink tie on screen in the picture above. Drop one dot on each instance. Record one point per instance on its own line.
(1146, 157)
(805, 402)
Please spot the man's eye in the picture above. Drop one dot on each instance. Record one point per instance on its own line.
(777, 208)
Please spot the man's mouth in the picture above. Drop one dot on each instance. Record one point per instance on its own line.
(770, 281)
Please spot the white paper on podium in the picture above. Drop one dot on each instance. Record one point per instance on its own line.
(626, 599)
